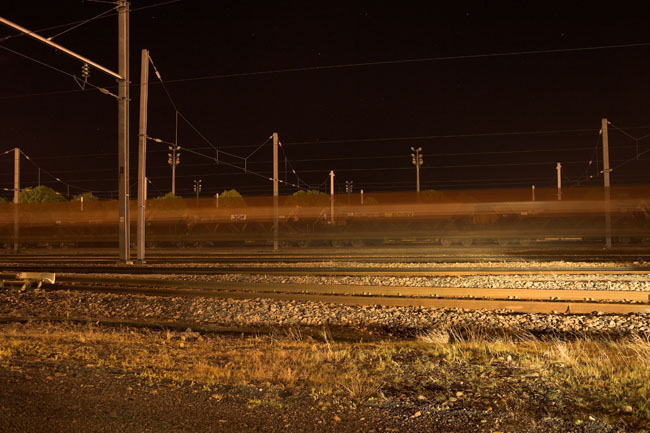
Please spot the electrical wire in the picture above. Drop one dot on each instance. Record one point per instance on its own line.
(286, 160)
(52, 175)
(82, 23)
(101, 89)
(429, 137)
(419, 60)
(216, 159)
(100, 16)
(361, 64)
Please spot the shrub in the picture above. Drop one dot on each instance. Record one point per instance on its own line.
(40, 194)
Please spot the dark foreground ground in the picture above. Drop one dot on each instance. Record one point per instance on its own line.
(58, 377)
(55, 399)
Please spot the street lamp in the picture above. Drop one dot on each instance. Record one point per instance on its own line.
(417, 162)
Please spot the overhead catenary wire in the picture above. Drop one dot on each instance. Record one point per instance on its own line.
(73, 76)
(56, 178)
(293, 170)
(81, 22)
(416, 60)
(112, 154)
(216, 159)
(367, 64)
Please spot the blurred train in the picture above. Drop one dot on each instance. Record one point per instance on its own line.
(463, 218)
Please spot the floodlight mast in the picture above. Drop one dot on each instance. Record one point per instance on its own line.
(122, 112)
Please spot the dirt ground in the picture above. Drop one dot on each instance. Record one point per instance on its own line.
(59, 398)
(53, 379)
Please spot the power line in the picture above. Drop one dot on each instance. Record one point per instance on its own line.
(419, 60)
(112, 154)
(429, 137)
(101, 89)
(216, 159)
(81, 22)
(53, 176)
(363, 64)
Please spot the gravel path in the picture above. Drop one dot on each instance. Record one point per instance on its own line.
(264, 312)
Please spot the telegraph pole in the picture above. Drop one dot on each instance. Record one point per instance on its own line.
(16, 196)
(417, 162)
(142, 154)
(558, 167)
(606, 170)
(276, 191)
(123, 129)
(332, 197)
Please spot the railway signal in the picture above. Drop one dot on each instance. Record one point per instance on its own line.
(197, 187)
(173, 159)
(417, 162)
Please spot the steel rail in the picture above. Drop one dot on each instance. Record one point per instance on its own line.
(517, 306)
(322, 270)
(369, 290)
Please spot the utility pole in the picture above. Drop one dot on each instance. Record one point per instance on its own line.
(332, 197)
(142, 154)
(123, 129)
(417, 162)
(16, 175)
(606, 170)
(558, 167)
(276, 191)
(122, 112)
(16, 196)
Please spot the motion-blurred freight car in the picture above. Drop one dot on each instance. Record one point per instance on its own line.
(463, 218)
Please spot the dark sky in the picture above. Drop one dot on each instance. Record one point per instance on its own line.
(354, 120)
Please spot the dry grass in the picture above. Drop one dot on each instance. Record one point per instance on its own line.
(581, 377)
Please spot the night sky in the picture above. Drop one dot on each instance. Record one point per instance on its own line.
(474, 117)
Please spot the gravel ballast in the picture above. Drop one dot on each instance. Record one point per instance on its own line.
(264, 312)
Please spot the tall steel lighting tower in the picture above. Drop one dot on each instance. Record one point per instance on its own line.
(417, 162)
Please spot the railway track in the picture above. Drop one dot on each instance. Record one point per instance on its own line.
(389, 254)
(516, 300)
(332, 270)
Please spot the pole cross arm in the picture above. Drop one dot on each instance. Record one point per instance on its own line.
(59, 47)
